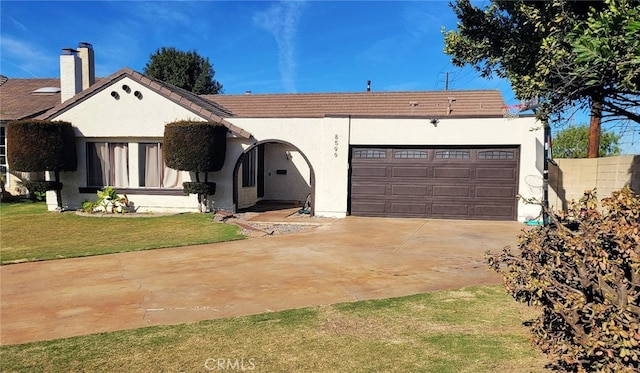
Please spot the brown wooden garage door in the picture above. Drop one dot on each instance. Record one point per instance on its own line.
(452, 183)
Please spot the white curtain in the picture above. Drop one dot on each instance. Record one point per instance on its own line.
(119, 164)
(155, 172)
(171, 177)
(153, 160)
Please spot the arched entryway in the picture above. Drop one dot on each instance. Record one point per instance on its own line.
(273, 174)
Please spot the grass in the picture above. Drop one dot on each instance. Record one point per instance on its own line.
(31, 233)
(476, 329)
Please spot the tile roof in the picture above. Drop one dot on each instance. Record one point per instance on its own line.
(17, 100)
(205, 109)
(430, 104)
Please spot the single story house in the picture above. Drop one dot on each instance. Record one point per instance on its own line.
(440, 154)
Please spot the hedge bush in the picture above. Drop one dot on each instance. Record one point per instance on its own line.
(195, 146)
(41, 186)
(36, 145)
(200, 188)
(584, 272)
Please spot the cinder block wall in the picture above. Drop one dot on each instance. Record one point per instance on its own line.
(572, 177)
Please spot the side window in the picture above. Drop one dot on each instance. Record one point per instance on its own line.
(152, 171)
(107, 164)
(452, 154)
(410, 154)
(369, 153)
(495, 154)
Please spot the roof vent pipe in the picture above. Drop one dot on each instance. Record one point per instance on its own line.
(368, 85)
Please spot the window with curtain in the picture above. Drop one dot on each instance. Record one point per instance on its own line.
(107, 164)
(249, 168)
(152, 171)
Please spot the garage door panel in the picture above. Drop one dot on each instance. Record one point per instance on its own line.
(409, 172)
(450, 210)
(369, 189)
(496, 192)
(365, 207)
(409, 190)
(417, 209)
(451, 191)
(495, 173)
(451, 173)
(369, 171)
(456, 183)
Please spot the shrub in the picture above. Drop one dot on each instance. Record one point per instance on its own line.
(36, 145)
(194, 187)
(40, 186)
(584, 272)
(195, 146)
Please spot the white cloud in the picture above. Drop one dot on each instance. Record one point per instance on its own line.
(281, 20)
(26, 56)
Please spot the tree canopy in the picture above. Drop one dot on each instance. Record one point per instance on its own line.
(571, 142)
(565, 53)
(187, 70)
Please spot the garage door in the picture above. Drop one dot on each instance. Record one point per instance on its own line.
(451, 183)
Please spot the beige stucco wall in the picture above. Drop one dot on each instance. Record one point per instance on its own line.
(323, 141)
(571, 177)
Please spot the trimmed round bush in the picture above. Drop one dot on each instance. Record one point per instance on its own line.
(37, 145)
(195, 146)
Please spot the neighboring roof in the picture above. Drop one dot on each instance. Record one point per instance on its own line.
(203, 108)
(429, 104)
(17, 100)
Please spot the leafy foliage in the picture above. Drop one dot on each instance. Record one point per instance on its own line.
(572, 142)
(36, 145)
(200, 188)
(195, 146)
(564, 52)
(584, 272)
(42, 186)
(187, 70)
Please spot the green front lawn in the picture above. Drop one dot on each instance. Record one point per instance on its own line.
(31, 233)
(472, 330)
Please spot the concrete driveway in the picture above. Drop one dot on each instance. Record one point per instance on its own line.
(347, 260)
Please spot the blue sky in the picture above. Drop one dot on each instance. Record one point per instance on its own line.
(258, 46)
(262, 46)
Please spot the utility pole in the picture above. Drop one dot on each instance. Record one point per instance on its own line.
(446, 81)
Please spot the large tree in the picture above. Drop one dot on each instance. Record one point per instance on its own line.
(571, 142)
(540, 47)
(187, 70)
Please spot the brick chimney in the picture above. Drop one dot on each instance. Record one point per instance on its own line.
(70, 74)
(85, 52)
